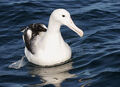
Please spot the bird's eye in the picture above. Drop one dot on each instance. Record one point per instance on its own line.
(63, 15)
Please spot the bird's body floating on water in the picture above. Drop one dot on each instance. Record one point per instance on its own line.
(45, 46)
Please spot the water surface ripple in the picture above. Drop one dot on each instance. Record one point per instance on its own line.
(95, 60)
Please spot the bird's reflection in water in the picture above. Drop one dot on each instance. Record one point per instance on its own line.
(52, 75)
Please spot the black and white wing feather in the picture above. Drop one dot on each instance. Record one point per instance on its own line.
(30, 32)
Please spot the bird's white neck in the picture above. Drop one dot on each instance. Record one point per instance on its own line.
(53, 25)
(53, 34)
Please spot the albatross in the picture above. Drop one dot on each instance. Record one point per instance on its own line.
(46, 46)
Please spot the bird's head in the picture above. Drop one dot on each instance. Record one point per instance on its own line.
(63, 17)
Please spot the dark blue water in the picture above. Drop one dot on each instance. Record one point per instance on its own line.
(96, 56)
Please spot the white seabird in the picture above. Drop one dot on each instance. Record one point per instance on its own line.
(45, 46)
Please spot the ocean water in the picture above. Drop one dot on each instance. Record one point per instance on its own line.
(95, 57)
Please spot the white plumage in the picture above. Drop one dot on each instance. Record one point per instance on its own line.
(47, 48)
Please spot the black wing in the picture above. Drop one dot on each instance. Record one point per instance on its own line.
(30, 32)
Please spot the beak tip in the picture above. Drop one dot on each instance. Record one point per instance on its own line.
(82, 34)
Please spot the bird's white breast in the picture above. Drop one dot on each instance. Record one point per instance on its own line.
(50, 51)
